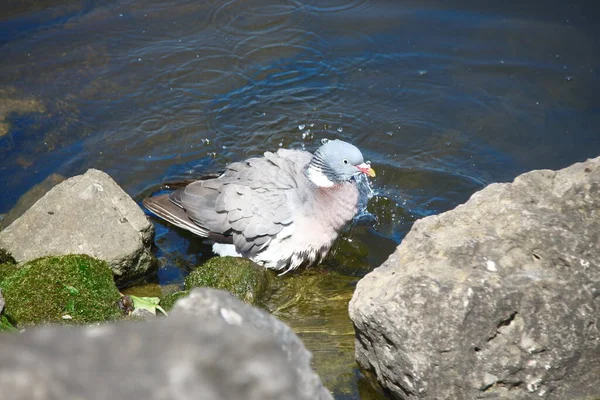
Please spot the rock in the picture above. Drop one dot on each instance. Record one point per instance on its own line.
(189, 355)
(210, 304)
(239, 276)
(1, 301)
(498, 298)
(86, 214)
(68, 289)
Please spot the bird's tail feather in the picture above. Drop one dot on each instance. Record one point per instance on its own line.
(165, 209)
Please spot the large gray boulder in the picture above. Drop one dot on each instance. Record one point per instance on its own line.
(210, 304)
(498, 298)
(189, 355)
(86, 214)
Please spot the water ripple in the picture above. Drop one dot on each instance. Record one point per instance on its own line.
(333, 6)
(245, 18)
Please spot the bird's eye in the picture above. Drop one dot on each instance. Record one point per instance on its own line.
(345, 161)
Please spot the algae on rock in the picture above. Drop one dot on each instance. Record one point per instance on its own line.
(239, 276)
(168, 301)
(6, 270)
(67, 289)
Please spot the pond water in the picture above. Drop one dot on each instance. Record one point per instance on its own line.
(443, 97)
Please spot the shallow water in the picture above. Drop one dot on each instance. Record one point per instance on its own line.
(443, 97)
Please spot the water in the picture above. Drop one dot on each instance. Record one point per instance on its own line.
(443, 97)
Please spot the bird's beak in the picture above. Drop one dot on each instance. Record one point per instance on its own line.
(366, 169)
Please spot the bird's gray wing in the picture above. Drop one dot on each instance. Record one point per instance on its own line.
(251, 200)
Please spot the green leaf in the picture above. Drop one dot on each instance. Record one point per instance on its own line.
(147, 303)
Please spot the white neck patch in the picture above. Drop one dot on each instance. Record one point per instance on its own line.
(316, 176)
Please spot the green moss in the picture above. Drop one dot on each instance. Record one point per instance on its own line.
(5, 325)
(50, 288)
(6, 270)
(167, 302)
(241, 277)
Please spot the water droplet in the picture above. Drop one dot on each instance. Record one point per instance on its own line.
(569, 78)
(324, 140)
(390, 133)
(311, 125)
(120, 15)
(280, 144)
(422, 72)
(301, 126)
(340, 129)
(139, 59)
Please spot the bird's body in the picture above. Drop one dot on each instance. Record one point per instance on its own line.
(282, 210)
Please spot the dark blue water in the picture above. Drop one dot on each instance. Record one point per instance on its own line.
(443, 97)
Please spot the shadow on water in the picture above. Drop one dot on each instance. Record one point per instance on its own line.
(443, 97)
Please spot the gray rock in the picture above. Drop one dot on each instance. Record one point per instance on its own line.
(209, 304)
(185, 356)
(498, 298)
(2, 302)
(86, 214)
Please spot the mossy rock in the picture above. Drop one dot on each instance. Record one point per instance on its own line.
(5, 325)
(239, 276)
(73, 289)
(168, 301)
(6, 270)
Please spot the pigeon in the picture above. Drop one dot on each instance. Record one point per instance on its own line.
(282, 210)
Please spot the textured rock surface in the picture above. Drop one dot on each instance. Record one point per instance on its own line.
(210, 304)
(498, 298)
(86, 214)
(189, 355)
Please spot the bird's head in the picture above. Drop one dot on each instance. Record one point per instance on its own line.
(336, 162)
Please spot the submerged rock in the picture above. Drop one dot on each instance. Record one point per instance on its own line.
(67, 289)
(210, 305)
(30, 197)
(86, 214)
(199, 352)
(498, 298)
(12, 102)
(239, 276)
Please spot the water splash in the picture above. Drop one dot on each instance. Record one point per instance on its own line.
(365, 193)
